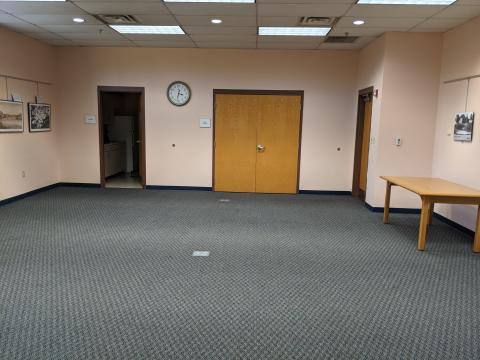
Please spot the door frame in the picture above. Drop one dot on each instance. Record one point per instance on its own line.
(141, 126)
(356, 191)
(300, 93)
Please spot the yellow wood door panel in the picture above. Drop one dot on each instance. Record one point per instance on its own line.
(367, 122)
(235, 142)
(278, 131)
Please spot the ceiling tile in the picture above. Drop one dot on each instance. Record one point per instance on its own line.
(397, 11)
(278, 20)
(9, 19)
(55, 42)
(91, 36)
(330, 46)
(125, 8)
(23, 27)
(226, 45)
(43, 36)
(211, 9)
(166, 20)
(215, 29)
(222, 38)
(302, 9)
(291, 39)
(360, 31)
(399, 23)
(77, 28)
(288, 45)
(427, 30)
(349, 2)
(459, 11)
(227, 20)
(439, 23)
(119, 43)
(157, 37)
(39, 7)
(165, 44)
(58, 19)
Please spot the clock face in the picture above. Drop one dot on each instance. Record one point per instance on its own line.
(178, 93)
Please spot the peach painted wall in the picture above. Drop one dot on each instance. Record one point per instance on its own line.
(370, 73)
(409, 104)
(458, 161)
(327, 77)
(33, 153)
(405, 68)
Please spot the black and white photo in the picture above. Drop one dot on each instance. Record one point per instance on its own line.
(39, 116)
(463, 129)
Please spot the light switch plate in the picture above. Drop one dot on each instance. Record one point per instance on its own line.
(90, 119)
(205, 123)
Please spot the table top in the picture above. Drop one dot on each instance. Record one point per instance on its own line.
(426, 186)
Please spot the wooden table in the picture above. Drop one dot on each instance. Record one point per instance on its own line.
(431, 191)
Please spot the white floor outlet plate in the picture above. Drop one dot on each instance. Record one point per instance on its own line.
(201, 253)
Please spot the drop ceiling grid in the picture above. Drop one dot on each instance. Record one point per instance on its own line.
(49, 22)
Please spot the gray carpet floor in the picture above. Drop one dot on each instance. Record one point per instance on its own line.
(108, 274)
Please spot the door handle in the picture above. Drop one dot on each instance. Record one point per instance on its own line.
(260, 148)
(139, 141)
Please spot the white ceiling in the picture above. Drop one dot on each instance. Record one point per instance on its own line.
(52, 23)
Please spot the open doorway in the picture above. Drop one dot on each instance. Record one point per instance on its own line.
(362, 143)
(122, 136)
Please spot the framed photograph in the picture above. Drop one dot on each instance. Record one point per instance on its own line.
(11, 116)
(463, 129)
(39, 117)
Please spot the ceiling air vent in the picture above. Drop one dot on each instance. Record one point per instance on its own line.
(317, 21)
(118, 19)
(341, 39)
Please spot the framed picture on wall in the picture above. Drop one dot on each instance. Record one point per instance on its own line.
(39, 117)
(11, 116)
(463, 128)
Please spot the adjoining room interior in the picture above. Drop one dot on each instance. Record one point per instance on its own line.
(239, 179)
(121, 139)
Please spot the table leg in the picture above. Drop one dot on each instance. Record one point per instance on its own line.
(476, 242)
(430, 214)
(422, 233)
(386, 209)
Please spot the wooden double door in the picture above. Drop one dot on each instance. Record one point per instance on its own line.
(257, 142)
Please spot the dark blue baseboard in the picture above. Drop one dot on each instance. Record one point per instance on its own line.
(46, 188)
(324, 192)
(81, 185)
(418, 211)
(167, 187)
(393, 210)
(27, 194)
(454, 224)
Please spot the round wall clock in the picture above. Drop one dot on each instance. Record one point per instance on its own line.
(179, 93)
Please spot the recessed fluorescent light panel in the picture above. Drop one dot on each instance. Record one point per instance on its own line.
(142, 29)
(213, 1)
(406, 2)
(293, 31)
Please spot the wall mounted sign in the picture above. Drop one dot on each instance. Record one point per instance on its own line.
(463, 128)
